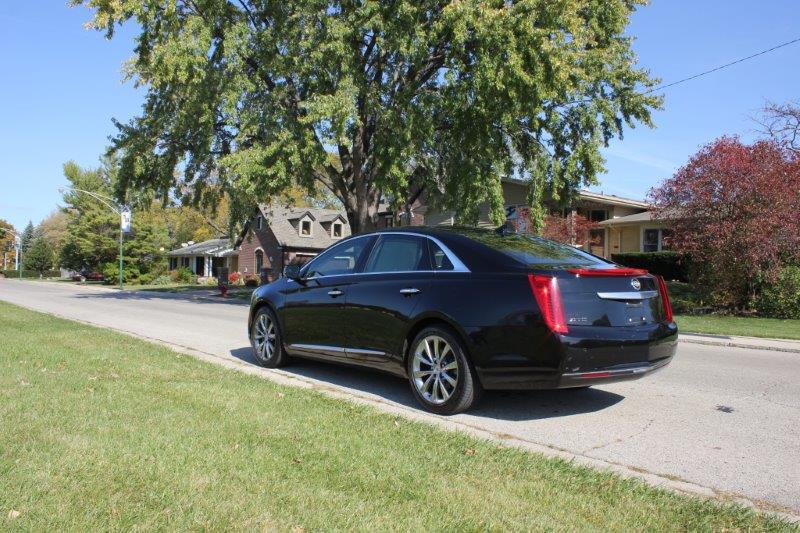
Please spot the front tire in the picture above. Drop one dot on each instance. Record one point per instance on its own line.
(441, 378)
(265, 338)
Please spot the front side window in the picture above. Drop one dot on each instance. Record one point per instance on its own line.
(305, 227)
(341, 259)
(259, 260)
(337, 230)
(258, 222)
(398, 253)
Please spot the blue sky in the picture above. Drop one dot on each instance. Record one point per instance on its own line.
(62, 84)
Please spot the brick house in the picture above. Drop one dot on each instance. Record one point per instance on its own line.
(275, 236)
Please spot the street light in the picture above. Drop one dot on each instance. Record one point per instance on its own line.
(123, 211)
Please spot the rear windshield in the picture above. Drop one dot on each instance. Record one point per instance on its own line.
(536, 252)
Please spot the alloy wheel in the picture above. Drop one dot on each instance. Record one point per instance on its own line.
(435, 369)
(265, 337)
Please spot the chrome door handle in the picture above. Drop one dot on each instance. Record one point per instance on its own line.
(409, 291)
(335, 293)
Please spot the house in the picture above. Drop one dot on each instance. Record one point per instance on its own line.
(640, 232)
(204, 258)
(275, 236)
(596, 207)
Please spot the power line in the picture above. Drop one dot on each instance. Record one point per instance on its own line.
(761, 53)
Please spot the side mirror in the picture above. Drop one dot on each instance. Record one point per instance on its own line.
(292, 272)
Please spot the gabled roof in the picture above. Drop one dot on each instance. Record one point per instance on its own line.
(214, 247)
(279, 219)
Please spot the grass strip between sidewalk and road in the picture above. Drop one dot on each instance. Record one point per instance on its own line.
(104, 431)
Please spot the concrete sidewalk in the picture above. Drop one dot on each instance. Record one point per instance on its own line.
(755, 343)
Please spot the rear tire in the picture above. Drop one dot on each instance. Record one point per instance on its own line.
(265, 338)
(441, 377)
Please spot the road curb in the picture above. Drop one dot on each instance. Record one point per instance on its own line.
(738, 344)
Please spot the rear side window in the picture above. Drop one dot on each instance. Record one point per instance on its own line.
(398, 253)
(537, 252)
(439, 259)
(341, 259)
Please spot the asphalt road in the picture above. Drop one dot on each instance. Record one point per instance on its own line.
(721, 421)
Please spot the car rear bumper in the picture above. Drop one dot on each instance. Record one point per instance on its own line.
(591, 356)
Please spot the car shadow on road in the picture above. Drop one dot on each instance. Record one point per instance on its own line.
(199, 296)
(501, 405)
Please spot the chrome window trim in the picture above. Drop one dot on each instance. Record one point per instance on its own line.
(458, 265)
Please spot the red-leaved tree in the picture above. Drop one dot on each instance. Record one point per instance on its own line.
(735, 210)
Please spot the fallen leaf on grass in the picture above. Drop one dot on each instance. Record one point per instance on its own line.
(13, 513)
(92, 378)
(281, 395)
(296, 461)
(298, 529)
(396, 423)
(470, 451)
(23, 383)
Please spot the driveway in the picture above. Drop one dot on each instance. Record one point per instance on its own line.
(720, 421)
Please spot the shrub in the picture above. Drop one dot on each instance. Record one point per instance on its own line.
(130, 273)
(163, 279)
(671, 265)
(182, 275)
(781, 298)
(10, 273)
(252, 280)
(211, 281)
(234, 277)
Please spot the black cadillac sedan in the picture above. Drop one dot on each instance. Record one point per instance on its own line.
(460, 310)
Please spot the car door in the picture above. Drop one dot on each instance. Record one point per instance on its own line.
(314, 320)
(382, 298)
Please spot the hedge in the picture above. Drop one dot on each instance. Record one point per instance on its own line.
(31, 273)
(671, 265)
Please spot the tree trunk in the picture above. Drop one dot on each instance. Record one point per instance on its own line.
(363, 216)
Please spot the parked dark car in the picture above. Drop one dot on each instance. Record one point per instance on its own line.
(460, 310)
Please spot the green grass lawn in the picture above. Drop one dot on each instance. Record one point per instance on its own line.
(734, 325)
(103, 431)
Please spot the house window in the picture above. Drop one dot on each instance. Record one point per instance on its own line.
(336, 232)
(305, 228)
(259, 261)
(598, 215)
(258, 222)
(651, 240)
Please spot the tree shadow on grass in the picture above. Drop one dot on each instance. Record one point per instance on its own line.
(500, 405)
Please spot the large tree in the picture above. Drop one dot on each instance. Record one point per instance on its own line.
(39, 256)
(735, 211)
(373, 98)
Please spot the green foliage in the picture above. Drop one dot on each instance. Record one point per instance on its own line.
(182, 275)
(92, 239)
(781, 298)
(371, 100)
(39, 256)
(163, 279)
(130, 273)
(27, 236)
(671, 265)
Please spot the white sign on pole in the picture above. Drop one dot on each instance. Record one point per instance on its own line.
(125, 220)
